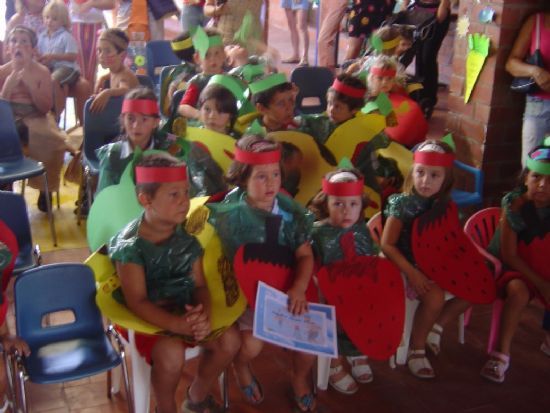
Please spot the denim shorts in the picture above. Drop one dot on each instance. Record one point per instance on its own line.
(295, 4)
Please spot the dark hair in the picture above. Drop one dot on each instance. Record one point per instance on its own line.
(238, 172)
(225, 101)
(265, 97)
(23, 29)
(351, 81)
(156, 160)
(117, 38)
(447, 186)
(525, 171)
(406, 32)
(185, 54)
(319, 204)
(136, 93)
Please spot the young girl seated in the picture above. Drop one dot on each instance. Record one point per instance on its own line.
(429, 182)
(382, 76)
(338, 214)
(240, 219)
(218, 109)
(28, 14)
(111, 52)
(58, 51)
(525, 218)
(169, 291)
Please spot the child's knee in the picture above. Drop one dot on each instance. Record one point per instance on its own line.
(517, 292)
(168, 355)
(250, 345)
(229, 343)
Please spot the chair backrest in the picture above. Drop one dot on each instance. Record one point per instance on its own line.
(159, 54)
(475, 197)
(375, 227)
(13, 211)
(100, 128)
(9, 138)
(52, 288)
(146, 81)
(313, 82)
(482, 225)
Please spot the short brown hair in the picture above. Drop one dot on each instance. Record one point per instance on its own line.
(23, 29)
(447, 186)
(319, 204)
(238, 172)
(352, 81)
(156, 160)
(225, 101)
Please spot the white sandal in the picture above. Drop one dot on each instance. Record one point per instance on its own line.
(545, 348)
(433, 341)
(419, 365)
(343, 384)
(496, 366)
(362, 373)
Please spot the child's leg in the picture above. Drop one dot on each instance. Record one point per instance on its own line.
(426, 314)
(302, 26)
(451, 310)
(291, 19)
(168, 357)
(302, 364)
(339, 378)
(60, 96)
(81, 91)
(215, 358)
(517, 298)
(250, 349)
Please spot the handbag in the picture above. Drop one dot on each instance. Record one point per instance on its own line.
(528, 84)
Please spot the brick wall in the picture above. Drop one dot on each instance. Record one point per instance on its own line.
(487, 130)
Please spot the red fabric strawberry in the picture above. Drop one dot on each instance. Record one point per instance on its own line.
(369, 298)
(269, 262)
(9, 239)
(446, 255)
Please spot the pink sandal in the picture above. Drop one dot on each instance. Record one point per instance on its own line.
(496, 366)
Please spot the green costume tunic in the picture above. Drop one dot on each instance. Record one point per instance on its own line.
(406, 208)
(167, 266)
(518, 219)
(237, 223)
(326, 245)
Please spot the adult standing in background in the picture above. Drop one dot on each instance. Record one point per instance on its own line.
(229, 15)
(10, 9)
(332, 13)
(296, 15)
(192, 14)
(87, 19)
(536, 117)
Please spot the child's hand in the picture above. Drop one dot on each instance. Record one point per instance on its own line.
(13, 343)
(197, 318)
(100, 101)
(420, 282)
(297, 303)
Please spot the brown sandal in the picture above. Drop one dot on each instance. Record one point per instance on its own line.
(208, 405)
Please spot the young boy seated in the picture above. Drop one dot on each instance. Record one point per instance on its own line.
(274, 98)
(210, 57)
(111, 52)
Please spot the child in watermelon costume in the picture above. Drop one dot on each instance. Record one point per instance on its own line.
(8, 342)
(428, 184)
(522, 241)
(339, 209)
(160, 269)
(264, 232)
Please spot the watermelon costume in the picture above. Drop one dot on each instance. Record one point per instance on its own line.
(261, 244)
(167, 268)
(532, 226)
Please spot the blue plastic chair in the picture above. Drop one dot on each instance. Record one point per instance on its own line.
(65, 352)
(159, 54)
(313, 82)
(13, 211)
(16, 167)
(465, 198)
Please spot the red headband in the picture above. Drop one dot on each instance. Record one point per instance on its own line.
(348, 90)
(143, 106)
(343, 188)
(378, 71)
(257, 158)
(160, 174)
(434, 158)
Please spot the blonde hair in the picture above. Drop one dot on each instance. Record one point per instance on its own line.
(58, 9)
(384, 62)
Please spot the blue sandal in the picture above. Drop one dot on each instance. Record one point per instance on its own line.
(249, 391)
(307, 401)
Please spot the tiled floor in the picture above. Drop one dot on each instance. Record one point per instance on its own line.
(458, 387)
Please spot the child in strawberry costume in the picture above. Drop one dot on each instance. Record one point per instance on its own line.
(522, 242)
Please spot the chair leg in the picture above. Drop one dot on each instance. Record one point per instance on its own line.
(57, 199)
(50, 211)
(461, 324)
(323, 370)
(127, 386)
(141, 377)
(81, 188)
(11, 390)
(223, 382)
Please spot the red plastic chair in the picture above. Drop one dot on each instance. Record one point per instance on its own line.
(481, 227)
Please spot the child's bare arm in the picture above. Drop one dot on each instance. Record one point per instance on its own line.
(132, 280)
(510, 256)
(201, 321)
(68, 57)
(390, 236)
(297, 303)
